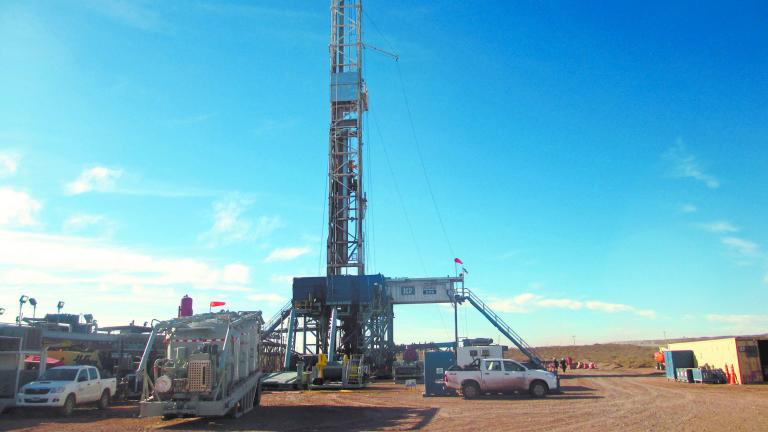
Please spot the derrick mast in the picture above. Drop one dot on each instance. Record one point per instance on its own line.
(348, 102)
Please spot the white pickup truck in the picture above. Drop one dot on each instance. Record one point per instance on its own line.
(496, 375)
(65, 387)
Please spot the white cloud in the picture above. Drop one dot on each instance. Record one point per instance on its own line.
(688, 208)
(282, 279)
(560, 303)
(739, 319)
(740, 245)
(287, 254)
(79, 221)
(86, 223)
(265, 225)
(236, 273)
(607, 307)
(718, 227)
(647, 313)
(230, 225)
(50, 260)
(130, 13)
(235, 288)
(17, 208)
(100, 276)
(686, 165)
(9, 163)
(526, 302)
(267, 297)
(96, 179)
(17, 276)
(511, 305)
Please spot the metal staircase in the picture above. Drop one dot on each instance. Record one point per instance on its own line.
(275, 321)
(463, 294)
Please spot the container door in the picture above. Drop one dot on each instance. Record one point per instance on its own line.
(669, 365)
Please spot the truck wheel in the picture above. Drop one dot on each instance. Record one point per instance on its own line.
(470, 390)
(104, 400)
(69, 406)
(538, 389)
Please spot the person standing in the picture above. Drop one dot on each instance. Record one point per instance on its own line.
(563, 364)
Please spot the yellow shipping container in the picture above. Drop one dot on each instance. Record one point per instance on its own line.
(743, 353)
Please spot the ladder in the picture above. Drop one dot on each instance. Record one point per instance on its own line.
(463, 294)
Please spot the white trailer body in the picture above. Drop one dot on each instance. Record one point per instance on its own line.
(16, 343)
(211, 366)
(468, 354)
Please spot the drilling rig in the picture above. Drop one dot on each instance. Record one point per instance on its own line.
(348, 313)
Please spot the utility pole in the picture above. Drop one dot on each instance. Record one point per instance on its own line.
(349, 100)
(456, 330)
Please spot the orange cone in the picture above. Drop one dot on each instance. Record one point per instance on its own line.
(733, 376)
(727, 375)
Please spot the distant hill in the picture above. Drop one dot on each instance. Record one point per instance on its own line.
(662, 342)
(607, 356)
(625, 354)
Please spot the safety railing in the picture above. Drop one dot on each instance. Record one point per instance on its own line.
(495, 319)
(275, 321)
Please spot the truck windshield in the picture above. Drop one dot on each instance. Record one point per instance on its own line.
(59, 375)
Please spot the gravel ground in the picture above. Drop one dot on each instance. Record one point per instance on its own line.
(626, 400)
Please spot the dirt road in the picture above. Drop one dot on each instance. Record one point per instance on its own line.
(594, 401)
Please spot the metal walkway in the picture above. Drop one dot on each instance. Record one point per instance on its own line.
(463, 294)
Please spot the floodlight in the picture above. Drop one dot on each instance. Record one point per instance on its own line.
(23, 299)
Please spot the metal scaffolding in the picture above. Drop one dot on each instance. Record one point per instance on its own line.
(348, 99)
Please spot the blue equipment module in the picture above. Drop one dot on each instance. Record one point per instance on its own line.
(435, 365)
(344, 289)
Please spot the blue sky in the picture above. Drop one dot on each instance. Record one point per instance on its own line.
(598, 169)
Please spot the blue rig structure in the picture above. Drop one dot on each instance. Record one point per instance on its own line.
(354, 315)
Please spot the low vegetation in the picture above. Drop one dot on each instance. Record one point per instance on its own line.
(606, 356)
